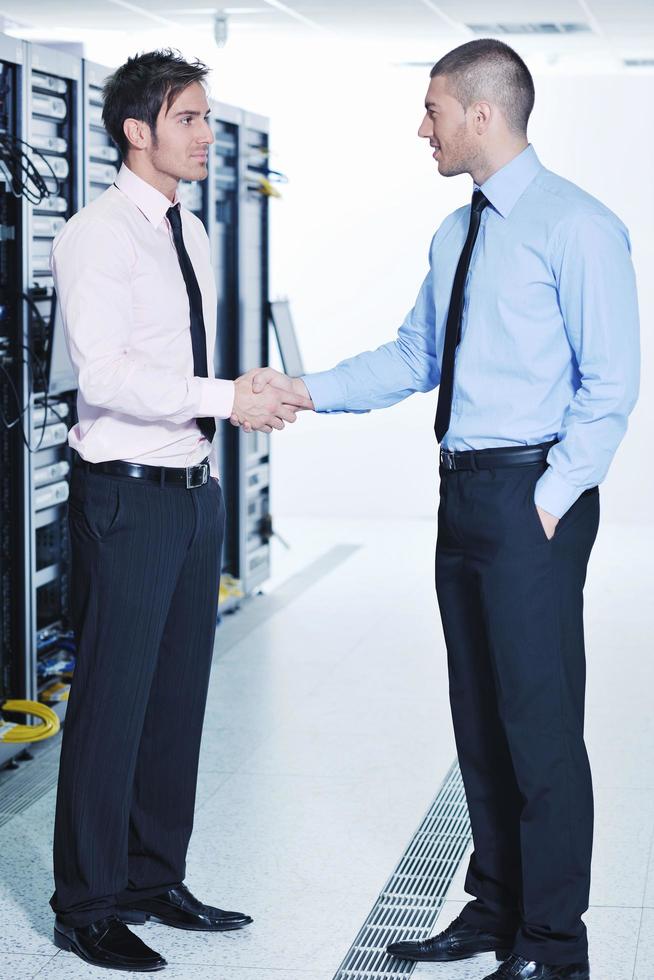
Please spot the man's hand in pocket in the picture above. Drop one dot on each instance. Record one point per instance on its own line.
(548, 521)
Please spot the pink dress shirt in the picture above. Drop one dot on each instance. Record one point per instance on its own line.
(127, 323)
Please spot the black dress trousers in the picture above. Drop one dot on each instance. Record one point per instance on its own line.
(145, 576)
(511, 605)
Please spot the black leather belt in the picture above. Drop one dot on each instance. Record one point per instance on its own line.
(489, 459)
(184, 476)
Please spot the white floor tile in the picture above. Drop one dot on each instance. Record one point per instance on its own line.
(624, 824)
(648, 899)
(18, 966)
(67, 966)
(645, 955)
(612, 941)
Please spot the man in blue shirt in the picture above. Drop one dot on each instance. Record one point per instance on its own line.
(528, 322)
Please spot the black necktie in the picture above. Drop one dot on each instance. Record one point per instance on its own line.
(198, 334)
(454, 314)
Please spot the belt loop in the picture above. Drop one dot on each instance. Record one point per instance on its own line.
(162, 477)
(473, 461)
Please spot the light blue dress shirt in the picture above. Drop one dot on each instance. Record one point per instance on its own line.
(549, 339)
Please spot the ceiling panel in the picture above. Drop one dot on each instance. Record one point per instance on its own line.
(626, 26)
(512, 10)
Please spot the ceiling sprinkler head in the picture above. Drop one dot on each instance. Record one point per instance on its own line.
(220, 28)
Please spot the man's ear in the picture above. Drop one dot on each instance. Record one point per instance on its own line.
(482, 115)
(137, 133)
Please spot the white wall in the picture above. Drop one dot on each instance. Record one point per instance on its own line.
(350, 240)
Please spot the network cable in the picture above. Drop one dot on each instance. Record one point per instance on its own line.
(25, 179)
(41, 370)
(12, 732)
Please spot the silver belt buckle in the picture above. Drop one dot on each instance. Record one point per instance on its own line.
(204, 474)
(447, 459)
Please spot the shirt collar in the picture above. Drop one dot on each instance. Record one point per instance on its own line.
(510, 182)
(151, 202)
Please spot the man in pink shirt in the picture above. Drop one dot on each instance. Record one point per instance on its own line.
(134, 279)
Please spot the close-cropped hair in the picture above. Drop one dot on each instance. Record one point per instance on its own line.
(139, 88)
(488, 69)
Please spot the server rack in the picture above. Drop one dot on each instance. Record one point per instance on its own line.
(15, 676)
(238, 229)
(41, 104)
(222, 228)
(101, 156)
(53, 126)
(255, 525)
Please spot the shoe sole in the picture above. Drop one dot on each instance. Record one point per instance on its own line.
(500, 956)
(63, 942)
(136, 918)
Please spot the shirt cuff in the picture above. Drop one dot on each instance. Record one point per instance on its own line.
(213, 397)
(326, 393)
(554, 494)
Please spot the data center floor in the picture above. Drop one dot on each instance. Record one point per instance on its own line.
(327, 737)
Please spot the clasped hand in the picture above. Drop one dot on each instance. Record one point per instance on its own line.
(266, 399)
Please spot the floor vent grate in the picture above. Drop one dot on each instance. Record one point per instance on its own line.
(413, 896)
(34, 778)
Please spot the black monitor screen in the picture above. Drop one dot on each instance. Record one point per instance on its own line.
(280, 314)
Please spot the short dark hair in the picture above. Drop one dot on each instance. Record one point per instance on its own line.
(488, 68)
(138, 88)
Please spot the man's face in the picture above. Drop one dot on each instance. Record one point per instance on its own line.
(446, 126)
(183, 136)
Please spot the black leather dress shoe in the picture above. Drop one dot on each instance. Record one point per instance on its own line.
(457, 942)
(108, 942)
(178, 907)
(516, 968)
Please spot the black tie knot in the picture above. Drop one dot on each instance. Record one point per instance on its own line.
(479, 202)
(173, 216)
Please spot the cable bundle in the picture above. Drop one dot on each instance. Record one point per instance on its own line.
(11, 732)
(10, 423)
(25, 179)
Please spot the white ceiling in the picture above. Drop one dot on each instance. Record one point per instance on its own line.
(624, 29)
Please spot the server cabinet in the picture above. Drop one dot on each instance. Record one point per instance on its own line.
(101, 156)
(41, 109)
(222, 228)
(255, 527)
(52, 124)
(15, 677)
(238, 231)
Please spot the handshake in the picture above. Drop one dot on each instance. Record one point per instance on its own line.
(266, 399)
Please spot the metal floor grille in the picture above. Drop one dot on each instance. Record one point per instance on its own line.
(24, 786)
(413, 896)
